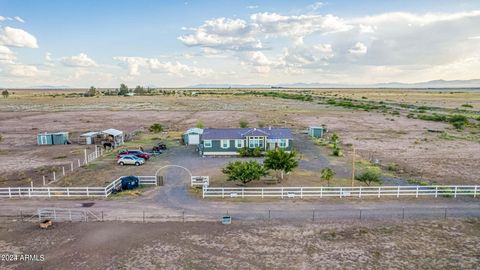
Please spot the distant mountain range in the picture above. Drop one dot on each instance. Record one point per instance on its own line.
(430, 84)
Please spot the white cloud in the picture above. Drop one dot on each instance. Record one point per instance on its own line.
(15, 37)
(252, 7)
(81, 60)
(223, 33)
(135, 64)
(358, 49)
(273, 24)
(19, 19)
(316, 5)
(22, 70)
(2, 18)
(6, 55)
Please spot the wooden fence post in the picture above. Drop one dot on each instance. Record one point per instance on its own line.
(71, 166)
(68, 192)
(475, 192)
(44, 180)
(398, 191)
(436, 191)
(359, 192)
(416, 193)
(79, 163)
(63, 171)
(9, 192)
(455, 192)
(88, 194)
(86, 158)
(48, 189)
(54, 177)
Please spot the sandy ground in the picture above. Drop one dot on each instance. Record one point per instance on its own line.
(389, 139)
(204, 245)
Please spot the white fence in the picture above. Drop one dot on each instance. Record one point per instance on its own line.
(380, 191)
(48, 192)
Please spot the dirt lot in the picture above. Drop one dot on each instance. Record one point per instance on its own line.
(200, 245)
(390, 139)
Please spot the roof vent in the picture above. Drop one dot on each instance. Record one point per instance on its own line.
(270, 128)
(254, 128)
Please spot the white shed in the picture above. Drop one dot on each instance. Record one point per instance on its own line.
(117, 135)
(192, 136)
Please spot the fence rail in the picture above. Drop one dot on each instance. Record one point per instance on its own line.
(48, 192)
(313, 215)
(380, 191)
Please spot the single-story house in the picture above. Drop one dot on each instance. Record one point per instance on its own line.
(228, 141)
(192, 136)
(89, 137)
(116, 136)
(52, 138)
(316, 132)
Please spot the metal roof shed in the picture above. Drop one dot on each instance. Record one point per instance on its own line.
(117, 135)
(89, 137)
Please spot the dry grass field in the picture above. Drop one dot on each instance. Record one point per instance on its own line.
(448, 157)
(451, 244)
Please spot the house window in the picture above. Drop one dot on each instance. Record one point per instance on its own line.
(283, 143)
(207, 143)
(225, 144)
(254, 142)
(239, 143)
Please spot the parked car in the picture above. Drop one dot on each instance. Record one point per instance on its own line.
(136, 153)
(130, 160)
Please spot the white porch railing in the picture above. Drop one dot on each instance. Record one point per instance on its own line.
(371, 191)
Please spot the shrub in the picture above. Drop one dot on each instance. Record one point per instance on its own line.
(250, 152)
(370, 175)
(156, 128)
(244, 171)
(200, 124)
(467, 106)
(243, 123)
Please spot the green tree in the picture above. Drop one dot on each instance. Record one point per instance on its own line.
(139, 91)
(261, 124)
(123, 90)
(91, 92)
(281, 162)
(243, 123)
(5, 93)
(244, 171)
(156, 128)
(327, 174)
(370, 175)
(200, 124)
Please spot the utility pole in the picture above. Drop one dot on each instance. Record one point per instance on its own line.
(353, 166)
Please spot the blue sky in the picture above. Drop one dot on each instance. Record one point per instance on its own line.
(181, 43)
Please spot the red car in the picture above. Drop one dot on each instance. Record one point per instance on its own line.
(136, 153)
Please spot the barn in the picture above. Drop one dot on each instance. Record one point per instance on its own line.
(192, 136)
(52, 138)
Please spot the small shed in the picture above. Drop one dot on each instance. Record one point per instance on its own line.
(89, 137)
(116, 136)
(192, 136)
(52, 138)
(316, 132)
